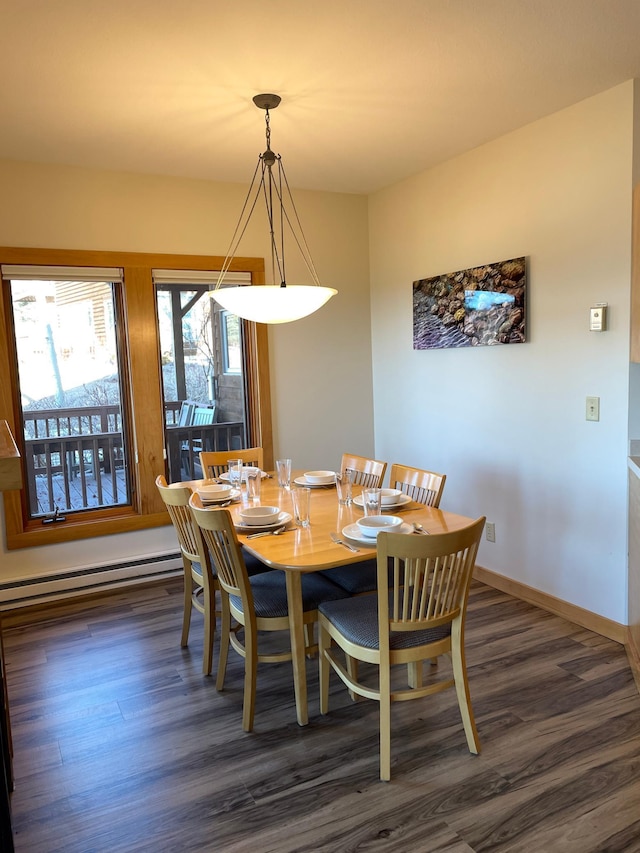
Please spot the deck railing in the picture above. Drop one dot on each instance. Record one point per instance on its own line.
(75, 458)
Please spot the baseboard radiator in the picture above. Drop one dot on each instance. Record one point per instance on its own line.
(85, 581)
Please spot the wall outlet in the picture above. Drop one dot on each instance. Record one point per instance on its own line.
(490, 530)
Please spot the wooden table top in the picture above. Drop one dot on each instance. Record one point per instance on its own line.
(311, 548)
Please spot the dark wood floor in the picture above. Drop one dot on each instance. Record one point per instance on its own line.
(122, 745)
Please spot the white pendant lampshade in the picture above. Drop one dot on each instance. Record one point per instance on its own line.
(275, 303)
(271, 303)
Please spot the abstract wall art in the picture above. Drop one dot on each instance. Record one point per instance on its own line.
(480, 306)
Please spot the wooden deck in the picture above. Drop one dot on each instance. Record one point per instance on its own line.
(108, 490)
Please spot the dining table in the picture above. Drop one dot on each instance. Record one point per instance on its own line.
(298, 549)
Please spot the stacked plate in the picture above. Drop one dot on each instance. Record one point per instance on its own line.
(354, 532)
(316, 479)
(281, 519)
(217, 493)
(389, 502)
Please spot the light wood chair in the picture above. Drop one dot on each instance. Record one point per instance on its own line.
(422, 486)
(361, 578)
(256, 603)
(421, 616)
(200, 581)
(369, 473)
(214, 462)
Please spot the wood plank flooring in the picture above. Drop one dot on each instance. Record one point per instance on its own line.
(122, 745)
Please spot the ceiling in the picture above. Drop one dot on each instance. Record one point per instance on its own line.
(373, 91)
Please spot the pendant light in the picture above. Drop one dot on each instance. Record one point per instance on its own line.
(273, 303)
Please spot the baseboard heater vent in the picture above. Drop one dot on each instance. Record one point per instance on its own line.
(82, 581)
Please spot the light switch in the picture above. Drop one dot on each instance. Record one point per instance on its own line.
(593, 408)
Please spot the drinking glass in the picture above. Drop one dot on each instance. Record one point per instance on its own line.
(235, 472)
(254, 481)
(344, 482)
(372, 501)
(301, 499)
(283, 467)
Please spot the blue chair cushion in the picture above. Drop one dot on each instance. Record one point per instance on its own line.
(253, 564)
(357, 578)
(270, 593)
(357, 620)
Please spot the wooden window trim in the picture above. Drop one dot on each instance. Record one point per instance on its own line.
(143, 367)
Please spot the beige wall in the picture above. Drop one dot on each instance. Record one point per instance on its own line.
(507, 424)
(321, 366)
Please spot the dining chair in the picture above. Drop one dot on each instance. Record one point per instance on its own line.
(214, 462)
(425, 487)
(368, 473)
(361, 578)
(421, 616)
(256, 603)
(200, 582)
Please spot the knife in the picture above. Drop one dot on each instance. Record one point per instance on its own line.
(339, 541)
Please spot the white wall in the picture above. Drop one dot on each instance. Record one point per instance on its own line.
(320, 366)
(507, 423)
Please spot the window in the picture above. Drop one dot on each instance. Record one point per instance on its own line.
(75, 447)
(231, 343)
(107, 346)
(204, 401)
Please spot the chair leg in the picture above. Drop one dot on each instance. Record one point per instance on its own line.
(225, 630)
(324, 667)
(186, 610)
(352, 669)
(309, 639)
(250, 677)
(385, 722)
(462, 690)
(414, 673)
(209, 632)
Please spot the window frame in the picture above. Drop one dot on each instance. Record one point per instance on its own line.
(141, 383)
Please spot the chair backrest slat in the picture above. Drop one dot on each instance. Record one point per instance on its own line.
(368, 473)
(431, 577)
(215, 462)
(423, 486)
(221, 539)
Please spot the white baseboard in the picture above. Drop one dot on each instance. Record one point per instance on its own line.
(83, 581)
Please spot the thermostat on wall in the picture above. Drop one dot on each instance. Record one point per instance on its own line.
(598, 317)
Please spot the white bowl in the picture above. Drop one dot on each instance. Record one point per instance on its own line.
(215, 492)
(390, 496)
(259, 515)
(320, 478)
(371, 525)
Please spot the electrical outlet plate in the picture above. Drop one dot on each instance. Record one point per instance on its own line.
(490, 530)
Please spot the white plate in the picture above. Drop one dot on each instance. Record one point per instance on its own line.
(283, 518)
(352, 531)
(234, 495)
(225, 475)
(302, 481)
(402, 500)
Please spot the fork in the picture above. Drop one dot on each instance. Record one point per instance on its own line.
(339, 541)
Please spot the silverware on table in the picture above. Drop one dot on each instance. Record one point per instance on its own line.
(418, 528)
(275, 532)
(339, 541)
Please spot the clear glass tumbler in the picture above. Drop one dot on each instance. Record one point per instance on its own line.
(283, 469)
(301, 499)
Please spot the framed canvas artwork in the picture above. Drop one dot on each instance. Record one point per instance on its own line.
(480, 306)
